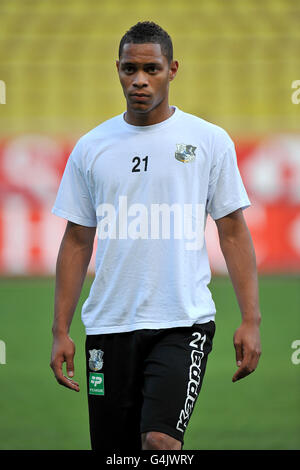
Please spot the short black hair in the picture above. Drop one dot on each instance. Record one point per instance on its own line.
(147, 31)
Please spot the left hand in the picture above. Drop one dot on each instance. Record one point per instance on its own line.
(247, 348)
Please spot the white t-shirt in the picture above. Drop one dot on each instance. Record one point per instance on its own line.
(148, 190)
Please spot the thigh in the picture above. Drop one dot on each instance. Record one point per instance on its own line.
(173, 376)
(114, 384)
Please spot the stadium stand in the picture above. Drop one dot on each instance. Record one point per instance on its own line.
(238, 60)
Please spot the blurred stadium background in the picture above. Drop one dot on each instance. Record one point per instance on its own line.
(238, 62)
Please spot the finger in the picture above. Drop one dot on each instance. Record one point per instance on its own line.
(238, 353)
(66, 382)
(70, 384)
(70, 366)
(247, 367)
(61, 379)
(254, 359)
(242, 372)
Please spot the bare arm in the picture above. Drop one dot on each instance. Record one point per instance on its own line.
(72, 262)
(237, 248)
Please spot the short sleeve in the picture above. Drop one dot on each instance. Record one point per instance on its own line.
(73, 201)
(226, 191)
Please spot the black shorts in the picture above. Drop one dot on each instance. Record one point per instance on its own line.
(144, 380)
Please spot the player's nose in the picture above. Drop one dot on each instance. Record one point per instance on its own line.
(140, 80)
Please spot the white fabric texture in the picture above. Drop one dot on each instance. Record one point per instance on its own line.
(152, 269)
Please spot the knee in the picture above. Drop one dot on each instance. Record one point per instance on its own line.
(160, 441)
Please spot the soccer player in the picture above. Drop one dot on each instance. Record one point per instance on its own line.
(146, 179)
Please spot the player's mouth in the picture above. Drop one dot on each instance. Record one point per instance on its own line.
(140, 97)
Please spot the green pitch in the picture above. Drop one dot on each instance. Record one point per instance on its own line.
(261, 411)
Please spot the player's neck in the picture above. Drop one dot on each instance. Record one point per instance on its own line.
(156, 115)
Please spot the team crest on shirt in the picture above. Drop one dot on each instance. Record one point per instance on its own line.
(185, 153)
(96, 359)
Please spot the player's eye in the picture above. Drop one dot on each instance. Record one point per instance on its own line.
(128, 68)
(151, 69)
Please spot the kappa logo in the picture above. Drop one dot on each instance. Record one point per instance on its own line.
(185, 153)
(194, 380)
(96, 359)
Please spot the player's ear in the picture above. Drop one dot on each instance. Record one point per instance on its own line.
(173, 69)
(117, 64)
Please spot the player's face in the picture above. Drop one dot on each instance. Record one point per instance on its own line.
(145, 75)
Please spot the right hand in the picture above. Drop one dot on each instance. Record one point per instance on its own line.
(63, 350)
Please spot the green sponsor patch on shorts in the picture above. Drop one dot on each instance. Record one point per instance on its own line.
(96, 384)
